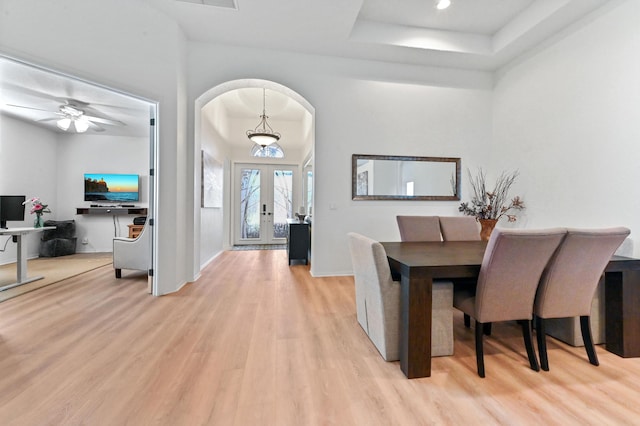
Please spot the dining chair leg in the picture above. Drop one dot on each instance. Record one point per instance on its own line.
(467, 321)
(528, 343)
(542, 343)
(479, 349)
(585, 328)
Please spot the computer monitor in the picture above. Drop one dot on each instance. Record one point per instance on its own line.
(11, 209)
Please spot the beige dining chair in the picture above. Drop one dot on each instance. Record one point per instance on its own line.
(378, 301)
(569, 282)
(419, 228)
(459, 228)
(509, 274)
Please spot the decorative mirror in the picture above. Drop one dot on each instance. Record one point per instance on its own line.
(390, 177)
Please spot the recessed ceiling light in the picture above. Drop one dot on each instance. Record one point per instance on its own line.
(443, 4)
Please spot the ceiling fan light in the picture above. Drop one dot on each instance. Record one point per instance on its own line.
(443, 4)
(81, 124)
(64, 124)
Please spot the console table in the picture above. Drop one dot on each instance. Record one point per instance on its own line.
(21, 264)
(298, 240)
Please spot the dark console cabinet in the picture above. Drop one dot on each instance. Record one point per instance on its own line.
(298, 240)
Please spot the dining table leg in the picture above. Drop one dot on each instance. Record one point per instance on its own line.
(415, 333)
(622, 313)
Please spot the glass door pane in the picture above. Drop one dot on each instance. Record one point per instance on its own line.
(250, 204)
(264, 200)
(282, 201)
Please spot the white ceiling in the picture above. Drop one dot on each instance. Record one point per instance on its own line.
(471, 34)
(35, 95)
(484, 17)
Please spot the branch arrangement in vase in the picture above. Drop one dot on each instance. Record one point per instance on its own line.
(495, 203)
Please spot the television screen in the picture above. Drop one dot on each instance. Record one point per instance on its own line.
(110, 187)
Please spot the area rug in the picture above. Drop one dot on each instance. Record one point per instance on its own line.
(54, 269)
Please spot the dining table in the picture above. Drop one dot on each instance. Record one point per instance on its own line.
(418, 264)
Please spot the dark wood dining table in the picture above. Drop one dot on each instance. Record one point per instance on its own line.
(417, 264)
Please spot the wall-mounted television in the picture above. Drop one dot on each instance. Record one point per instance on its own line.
(111, 187)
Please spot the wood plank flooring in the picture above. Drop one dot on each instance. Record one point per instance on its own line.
(255, 342)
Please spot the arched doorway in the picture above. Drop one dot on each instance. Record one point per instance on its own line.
(215, 135)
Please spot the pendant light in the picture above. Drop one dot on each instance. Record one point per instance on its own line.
(263, 134)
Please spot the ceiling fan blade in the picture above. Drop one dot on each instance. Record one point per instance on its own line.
(104, 121)
(22, 90)
(32, 108)
(95, 127)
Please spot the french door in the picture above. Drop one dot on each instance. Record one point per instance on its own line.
(264, 199)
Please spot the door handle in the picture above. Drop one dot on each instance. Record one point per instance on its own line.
(264, 209)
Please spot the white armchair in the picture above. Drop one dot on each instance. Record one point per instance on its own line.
(132, 253)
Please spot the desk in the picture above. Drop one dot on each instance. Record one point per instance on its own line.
(17, 234)
(419, 263)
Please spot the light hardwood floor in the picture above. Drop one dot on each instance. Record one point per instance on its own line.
(255, 342)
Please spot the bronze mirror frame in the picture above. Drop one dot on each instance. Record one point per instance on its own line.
(354, 178)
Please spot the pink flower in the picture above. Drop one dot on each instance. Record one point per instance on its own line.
(37, 206)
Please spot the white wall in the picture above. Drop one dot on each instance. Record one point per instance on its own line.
(127, 45)
(27, 167)
(37, 162)
(78, 154)
(569, 119)
(212, 220)
(566, 118)
(368, 108)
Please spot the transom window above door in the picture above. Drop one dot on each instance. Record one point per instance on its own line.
(270, 151)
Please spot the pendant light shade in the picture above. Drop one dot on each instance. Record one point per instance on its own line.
(263, 134)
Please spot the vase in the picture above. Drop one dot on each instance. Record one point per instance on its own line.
(38, 222)
(487, 226)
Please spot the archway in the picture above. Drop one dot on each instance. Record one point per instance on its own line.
(200, 103)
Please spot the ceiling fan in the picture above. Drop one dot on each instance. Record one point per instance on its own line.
(75, 116)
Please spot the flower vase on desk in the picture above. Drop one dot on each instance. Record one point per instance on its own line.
(38, 222)
(487, 226)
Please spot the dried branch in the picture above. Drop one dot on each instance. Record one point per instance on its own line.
(492, 204)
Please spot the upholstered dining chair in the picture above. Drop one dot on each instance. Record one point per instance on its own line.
(132, 253)
(569, 282)
(509, 274)
(419, 228)
(459, 228)
(378, 301)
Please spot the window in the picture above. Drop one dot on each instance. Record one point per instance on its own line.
(270, 151)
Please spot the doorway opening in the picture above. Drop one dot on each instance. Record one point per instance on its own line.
(80, 126)
(275, 189)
